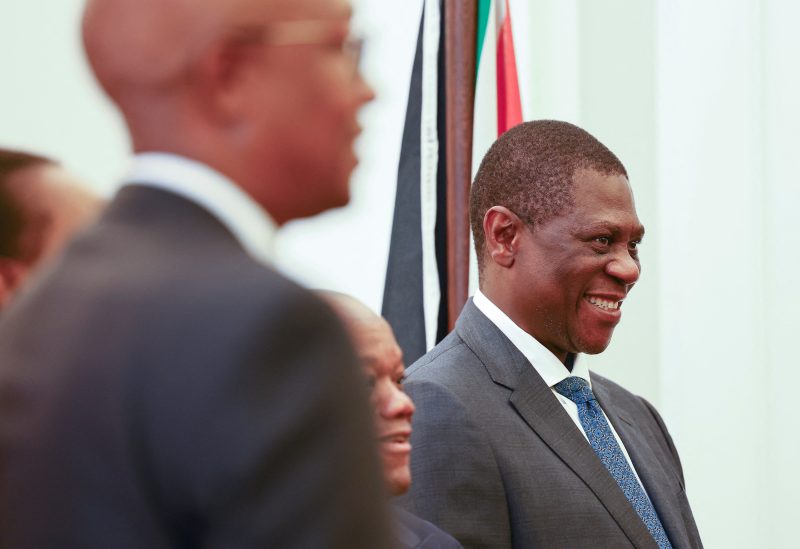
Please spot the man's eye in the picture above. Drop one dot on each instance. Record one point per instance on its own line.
(633, 245)
(603, 240)
(399, 381)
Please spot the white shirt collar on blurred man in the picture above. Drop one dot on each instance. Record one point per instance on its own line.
(241, 215)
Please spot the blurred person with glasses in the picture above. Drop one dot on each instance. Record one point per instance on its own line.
(164, 386)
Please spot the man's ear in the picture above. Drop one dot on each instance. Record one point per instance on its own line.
(222, 71)
(502, 230)
(12, 273)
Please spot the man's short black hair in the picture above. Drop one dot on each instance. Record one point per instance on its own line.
(530, 170)
(11, 217)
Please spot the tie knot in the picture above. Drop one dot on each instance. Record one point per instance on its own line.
(576, 389)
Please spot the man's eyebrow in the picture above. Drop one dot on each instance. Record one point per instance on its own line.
(599, 226)
(613, 228)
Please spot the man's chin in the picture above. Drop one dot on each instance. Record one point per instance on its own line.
(399, 482)
(332, 201)
(343, 198)
(594, 345)
(338, 194)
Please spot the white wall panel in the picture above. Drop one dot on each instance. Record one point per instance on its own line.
(781, 271)
(711, 206)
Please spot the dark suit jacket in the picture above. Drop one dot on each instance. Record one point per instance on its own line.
(411, 532)
(497, 462)
(160, 388)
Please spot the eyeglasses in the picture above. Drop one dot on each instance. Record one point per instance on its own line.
(312, 32)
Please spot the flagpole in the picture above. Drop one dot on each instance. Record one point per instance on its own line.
(460, 33)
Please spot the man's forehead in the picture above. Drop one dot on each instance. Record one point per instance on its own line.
(311, 9)
(592, 188)
(601, 202)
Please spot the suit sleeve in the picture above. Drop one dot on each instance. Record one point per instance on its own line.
(441, 541)
(267, 441)
(456, 482)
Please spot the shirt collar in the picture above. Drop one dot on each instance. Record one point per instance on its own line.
(544, 362)
(249, 223)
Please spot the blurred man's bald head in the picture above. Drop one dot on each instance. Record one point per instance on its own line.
(372, 336)
(362, 323)
(138, 45)
(149, 42)
(149, 47)
(263, 91)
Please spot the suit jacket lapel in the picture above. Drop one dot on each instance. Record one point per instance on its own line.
(661, 485)
(537, 405)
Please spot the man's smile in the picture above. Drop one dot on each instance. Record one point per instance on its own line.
(605, 303)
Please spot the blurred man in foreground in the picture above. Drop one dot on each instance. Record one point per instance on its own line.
(382, 361)
(164, 387)
(547, 453)
(41, 206)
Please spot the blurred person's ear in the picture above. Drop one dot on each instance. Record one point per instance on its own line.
(12, 272)
(223, 73)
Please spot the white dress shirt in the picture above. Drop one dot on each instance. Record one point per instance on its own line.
(546, 364)
(249, 223)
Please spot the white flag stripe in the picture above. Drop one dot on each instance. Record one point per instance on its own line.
(429, 159)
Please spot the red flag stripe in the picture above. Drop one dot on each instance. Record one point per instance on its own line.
(509, 106)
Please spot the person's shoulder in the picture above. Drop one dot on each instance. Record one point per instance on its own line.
(259, 295)
(439, 360)
(618, 392)
(609, 385)
(414, 532)
(622, 398)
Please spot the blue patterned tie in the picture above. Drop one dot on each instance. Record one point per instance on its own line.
(605, 446)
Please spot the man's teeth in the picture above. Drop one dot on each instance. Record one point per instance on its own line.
(603, 303)
(395, 438)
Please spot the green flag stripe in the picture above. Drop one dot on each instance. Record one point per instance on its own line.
(483, 20)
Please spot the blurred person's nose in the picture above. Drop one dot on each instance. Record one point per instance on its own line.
(397, 403)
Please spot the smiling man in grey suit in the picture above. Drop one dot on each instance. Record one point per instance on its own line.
(516, 444)
(163, 386)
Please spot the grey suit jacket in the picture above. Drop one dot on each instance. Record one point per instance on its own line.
(411, 532)
(498, 463)
(160, 388)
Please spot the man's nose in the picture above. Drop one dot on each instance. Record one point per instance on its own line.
(399, 403)
(365, 92)
(624, 267)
